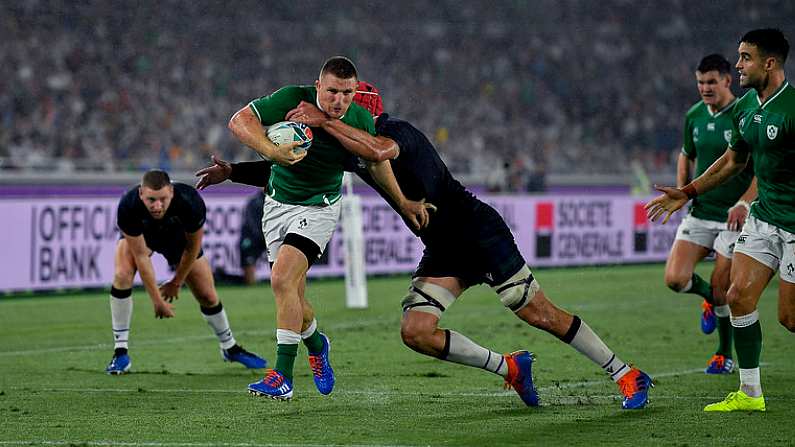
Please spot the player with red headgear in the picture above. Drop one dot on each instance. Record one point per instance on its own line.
(466, 243)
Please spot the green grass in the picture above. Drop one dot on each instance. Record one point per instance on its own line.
(53, 392)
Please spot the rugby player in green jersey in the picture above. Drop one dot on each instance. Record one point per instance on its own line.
(764, 128)
(301, 211)
(716, 217)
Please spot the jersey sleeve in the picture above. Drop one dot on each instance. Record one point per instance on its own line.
(271, 109)
(737, 143)
(196, 211)
(688, 147)
(126, 219)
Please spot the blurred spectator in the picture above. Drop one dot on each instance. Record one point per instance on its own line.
(581, 88)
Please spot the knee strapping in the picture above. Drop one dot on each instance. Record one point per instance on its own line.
(518, 290)
(426, 297)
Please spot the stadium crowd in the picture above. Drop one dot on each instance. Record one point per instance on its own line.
(504, 91)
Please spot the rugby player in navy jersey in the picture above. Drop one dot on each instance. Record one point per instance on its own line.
(168, 218)
(466, 243)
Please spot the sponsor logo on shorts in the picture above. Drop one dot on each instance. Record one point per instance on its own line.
(303, 224)
(790, 269)
(741, 239)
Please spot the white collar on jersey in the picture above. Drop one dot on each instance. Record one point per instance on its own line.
(775, 95)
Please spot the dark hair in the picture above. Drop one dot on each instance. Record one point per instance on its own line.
(770, 41)
(341, 67)
(155, 179)
(714, 62)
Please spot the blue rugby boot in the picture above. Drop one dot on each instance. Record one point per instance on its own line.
(520, 376)
(321, 368)
(708, 319)
(248, 359)
(720, 364)
(119, 364)
(635, 387)
(273, 385)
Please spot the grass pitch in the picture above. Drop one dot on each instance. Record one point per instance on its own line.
(53, 391)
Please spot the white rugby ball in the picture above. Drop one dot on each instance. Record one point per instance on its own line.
(289, 131)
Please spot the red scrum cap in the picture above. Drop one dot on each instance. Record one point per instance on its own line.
(368, 97)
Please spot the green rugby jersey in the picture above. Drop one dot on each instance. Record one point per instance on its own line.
(317, 179)
(767, 131)
(706, 137)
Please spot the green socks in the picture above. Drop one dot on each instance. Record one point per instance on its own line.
(285, 359)
(701, 288)
(314, 343)
(725, 332)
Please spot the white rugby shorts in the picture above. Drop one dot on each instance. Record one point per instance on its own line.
(709, 234)
(770, 245)
(316, 223)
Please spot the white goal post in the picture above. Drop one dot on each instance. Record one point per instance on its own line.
(353, 237)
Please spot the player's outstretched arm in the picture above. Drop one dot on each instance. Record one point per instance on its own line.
(415, 212)
(254, 173)
(170, 290)
(247, 128)
(673, 199)
(357, 141)
(140, 253)
(217, 172)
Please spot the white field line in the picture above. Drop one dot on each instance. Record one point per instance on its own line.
(381, 393)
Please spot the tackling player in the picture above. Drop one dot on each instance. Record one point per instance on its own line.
(467, 243)
(763, 127)
(168, 218)
(715, 218)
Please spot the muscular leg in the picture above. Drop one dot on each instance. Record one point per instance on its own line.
(679, 268)
(201, 284)
(287, 277)
(720, 282)
(287, 281)
(309, 332)
(121, 304)
(749, 278)
(420, 331)
(522, 294)
(786, 304)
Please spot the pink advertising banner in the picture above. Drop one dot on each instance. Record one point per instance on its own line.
(54, 243)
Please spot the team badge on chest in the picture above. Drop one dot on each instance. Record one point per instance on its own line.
(772, 131)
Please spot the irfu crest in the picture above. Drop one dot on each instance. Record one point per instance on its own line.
(772, 131)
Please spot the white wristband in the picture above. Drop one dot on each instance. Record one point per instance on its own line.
(743, 203)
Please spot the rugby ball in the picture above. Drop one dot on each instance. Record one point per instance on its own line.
(289, 131)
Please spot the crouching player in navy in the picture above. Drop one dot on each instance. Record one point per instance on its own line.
(168, 218)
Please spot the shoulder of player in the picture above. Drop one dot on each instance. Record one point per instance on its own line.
(289, 93)
(357, 116)
(185, 191)
(747, 100)
(788, 99)
(696, 109)
(129, 198)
